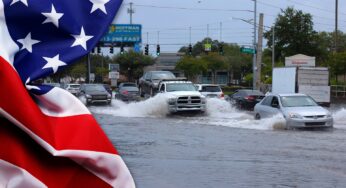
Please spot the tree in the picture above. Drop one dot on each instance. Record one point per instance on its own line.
(294, 34)
(199, 49)
(192, 67)
(215, 62)
(132, 64)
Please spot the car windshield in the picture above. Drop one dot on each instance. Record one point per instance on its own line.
(211, 89)
(180, 87)
(94, 88)
(129, 85)
(297, 101)
(75, 86)
(162, 75)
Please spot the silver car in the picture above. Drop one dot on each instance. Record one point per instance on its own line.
(299, 110)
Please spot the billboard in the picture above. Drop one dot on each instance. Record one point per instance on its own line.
(123, 34)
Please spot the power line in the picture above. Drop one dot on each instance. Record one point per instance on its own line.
(195, 9)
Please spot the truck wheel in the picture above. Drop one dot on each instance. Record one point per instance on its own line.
(257, 116)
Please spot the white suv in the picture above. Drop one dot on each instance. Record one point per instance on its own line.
(182, 96)
(73, 88)
(210, 90)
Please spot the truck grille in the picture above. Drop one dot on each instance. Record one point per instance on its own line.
(189, 100)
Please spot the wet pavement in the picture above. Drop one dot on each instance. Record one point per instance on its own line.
(224, 148)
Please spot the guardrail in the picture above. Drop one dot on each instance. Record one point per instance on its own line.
(338, 91)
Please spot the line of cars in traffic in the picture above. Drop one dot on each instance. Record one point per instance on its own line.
(299, 110)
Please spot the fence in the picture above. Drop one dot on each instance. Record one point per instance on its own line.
(338, 90)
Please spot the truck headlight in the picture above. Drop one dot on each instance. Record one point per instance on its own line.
(109, 96)
(294, 116)
(203, 100)
(171, 100)
(88, 96)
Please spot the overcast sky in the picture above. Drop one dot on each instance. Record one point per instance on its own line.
(172, 19)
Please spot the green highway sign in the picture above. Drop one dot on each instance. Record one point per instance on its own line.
(247, 50)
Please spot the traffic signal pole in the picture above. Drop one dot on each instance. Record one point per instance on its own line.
(254, 76)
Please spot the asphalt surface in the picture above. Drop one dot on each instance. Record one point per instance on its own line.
(223, 148)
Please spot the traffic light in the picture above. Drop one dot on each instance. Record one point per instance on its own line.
(190, 49)
(111, 50)
(98, 49)
(220, 49)
(92, 50)
(158, 50)
(121, 49)
(146, 50)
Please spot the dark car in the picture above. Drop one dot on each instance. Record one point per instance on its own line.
(246, 99)
(94, 93)
(128, 92)
(148, 83)
(108, 88)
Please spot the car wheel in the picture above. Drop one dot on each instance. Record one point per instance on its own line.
(151, 92)
(141, 92)
(257, 116)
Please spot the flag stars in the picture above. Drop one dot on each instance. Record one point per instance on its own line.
(52, 17)
(25, 2)
(30, 87)
(28, 42)
(53, 63)
(81, 39)
(98, 4)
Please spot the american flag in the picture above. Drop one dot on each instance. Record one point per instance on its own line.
(48, 138)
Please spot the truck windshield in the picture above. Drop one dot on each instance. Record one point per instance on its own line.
(297, 101)
(180, 87)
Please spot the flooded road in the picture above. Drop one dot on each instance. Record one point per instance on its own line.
(224, 148)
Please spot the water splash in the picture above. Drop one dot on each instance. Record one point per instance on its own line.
(340, 118)
(153, 107)
(219, 113)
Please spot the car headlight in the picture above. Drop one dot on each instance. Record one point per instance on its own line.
(171, 100)
(329, 115)
(294, 116)
(109, 96)
(88, 96)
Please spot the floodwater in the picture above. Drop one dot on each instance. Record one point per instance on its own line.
(223, 148)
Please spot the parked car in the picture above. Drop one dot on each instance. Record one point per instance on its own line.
(128, 92)
(148, 83)
(182, 96)
(73, 88)
(95, 93)
(210, 90)
(246, 99)
(299, 110)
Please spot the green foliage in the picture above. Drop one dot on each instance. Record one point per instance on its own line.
(191, 66)
(132, 63)
(248, 79)
(294, 34)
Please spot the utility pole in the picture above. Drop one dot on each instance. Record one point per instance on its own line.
(254, 46)
(130, 11)
(87, 80)
(336, 27)
(273, 49)
(259, 52)
(220, 32)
